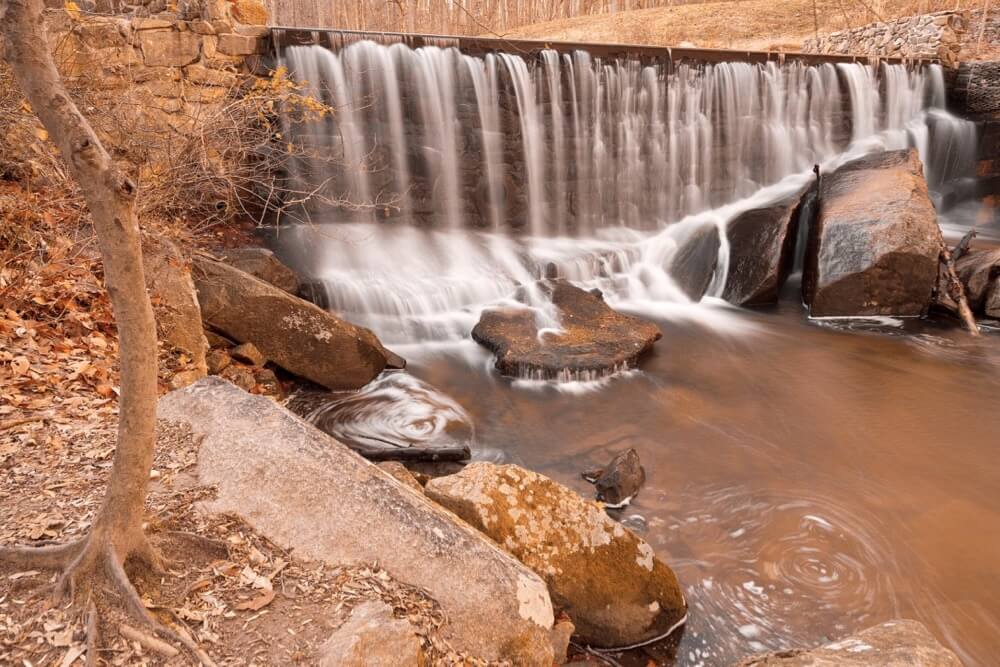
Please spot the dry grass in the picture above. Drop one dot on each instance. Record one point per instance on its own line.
(737, 24)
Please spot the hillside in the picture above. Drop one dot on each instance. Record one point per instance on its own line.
(740, 24)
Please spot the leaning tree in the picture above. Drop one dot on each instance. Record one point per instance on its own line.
(95, 563)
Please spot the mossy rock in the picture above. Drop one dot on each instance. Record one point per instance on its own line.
(608, 580)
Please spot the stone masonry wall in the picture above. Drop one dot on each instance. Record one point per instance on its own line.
(938, 35)
(172, 70)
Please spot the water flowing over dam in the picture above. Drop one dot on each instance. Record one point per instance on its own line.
(788, 483)
(497, 168)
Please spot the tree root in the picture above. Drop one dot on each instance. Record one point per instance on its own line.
(94, 565)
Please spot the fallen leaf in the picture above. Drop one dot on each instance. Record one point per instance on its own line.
(257, 603)
(19, 365)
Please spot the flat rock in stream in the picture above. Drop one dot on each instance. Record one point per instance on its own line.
(607, 580)
(875, 244)
(292, 333)
(762, 249)
(594, 339)
(892, 644)
(308, 493)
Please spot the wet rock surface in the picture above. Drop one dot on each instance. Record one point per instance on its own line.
(395, 417)
(891, 644)
(620, 481)
(292, 333)
(306, 491)
(874, 248)
(594, 338)
(696, 260)
(761, 249)
(609, 582)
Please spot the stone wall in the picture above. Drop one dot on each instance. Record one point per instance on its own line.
(939, 35)
(976, 88)
(172, 71)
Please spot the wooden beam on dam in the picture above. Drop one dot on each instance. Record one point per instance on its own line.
(336, 39)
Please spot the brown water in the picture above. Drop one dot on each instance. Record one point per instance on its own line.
(805, 480)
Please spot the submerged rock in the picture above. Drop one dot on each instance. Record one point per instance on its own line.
(264, 265)
(618, 483)
(294, 334)
(372, 637)
(395, 417)
(593, 339)
(609, 582)
(762, 249)
(892, 644)
(307, 492)
(874, 248)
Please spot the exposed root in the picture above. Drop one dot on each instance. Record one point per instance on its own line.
(94, 565)
(48, 557)
(92, 634)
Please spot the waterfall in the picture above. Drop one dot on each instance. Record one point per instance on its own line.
(503, 168)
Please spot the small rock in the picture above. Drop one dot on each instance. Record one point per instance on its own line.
(241, 376)
(561, 633)
(400, 472)
(218, 360)
(217, 340)
(608, 580)
(620, 481)
(892, 644)
(248, 354)
(268, 384)
(372, 637)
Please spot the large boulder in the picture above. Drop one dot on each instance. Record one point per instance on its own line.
(372, 637)
(263, 264)
(308, 493)
(874, 248)
(891, 644)
(593, 340)
(762, 248)
(294, 334)
(608, 580)
(175, 301)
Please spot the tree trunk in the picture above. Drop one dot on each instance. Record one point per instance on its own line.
(110, 196)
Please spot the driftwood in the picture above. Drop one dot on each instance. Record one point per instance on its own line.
(956, 290)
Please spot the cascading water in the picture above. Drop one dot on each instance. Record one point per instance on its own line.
(496, 170)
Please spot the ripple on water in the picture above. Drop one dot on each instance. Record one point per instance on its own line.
(767, 567)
